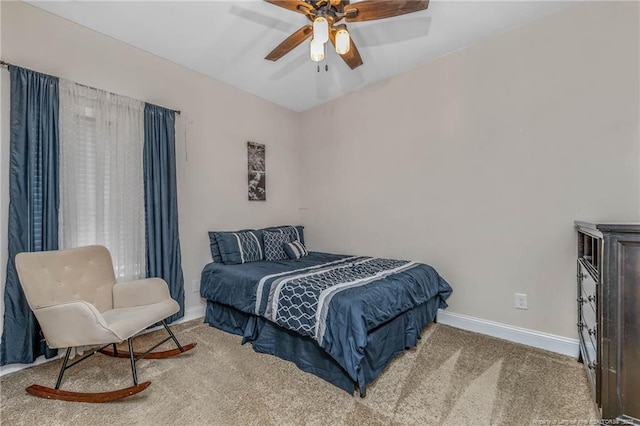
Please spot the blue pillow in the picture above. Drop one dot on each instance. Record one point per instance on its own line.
(239, 247)
(294, 232)
(274, 242)
(215, 247)
(295, 250)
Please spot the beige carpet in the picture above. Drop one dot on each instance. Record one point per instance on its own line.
(453, 377)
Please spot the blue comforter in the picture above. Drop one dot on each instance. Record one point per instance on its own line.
(333, 299)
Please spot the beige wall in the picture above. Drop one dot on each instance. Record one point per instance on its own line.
(479, 162)
(216, 122)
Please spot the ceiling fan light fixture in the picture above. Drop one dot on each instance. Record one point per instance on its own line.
(316, 50)
(325, 14)
(321, 29)
(343, 41)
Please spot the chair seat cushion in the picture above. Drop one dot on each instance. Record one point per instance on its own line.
(126, 322)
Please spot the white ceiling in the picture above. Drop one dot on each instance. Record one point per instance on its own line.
(228, 40)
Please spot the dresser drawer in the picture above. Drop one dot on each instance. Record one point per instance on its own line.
(589, 356)
(589, 316)
(588, 285)
(589, 331)
(588, 302)
(587, 350)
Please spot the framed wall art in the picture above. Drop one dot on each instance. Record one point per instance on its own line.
(257, 171)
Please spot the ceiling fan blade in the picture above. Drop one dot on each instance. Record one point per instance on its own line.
(352, 57)
(290, 43)
(294, 5)
(369, 10)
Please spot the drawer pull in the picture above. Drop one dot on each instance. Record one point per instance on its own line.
(581, 300)
(592, 298)
(580, 326)
(591, 365)
(591, 331)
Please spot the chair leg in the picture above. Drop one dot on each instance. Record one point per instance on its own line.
(150, 354)
(58, 394)
(133, 361)
(115, 350)
(63, 368)
(164, 323)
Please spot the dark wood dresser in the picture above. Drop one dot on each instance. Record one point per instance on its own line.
(609, 316)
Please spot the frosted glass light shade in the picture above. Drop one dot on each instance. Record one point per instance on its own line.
(321, 29)
(316, 50)
(343, 41)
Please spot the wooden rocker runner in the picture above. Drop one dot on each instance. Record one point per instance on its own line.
(75, 299)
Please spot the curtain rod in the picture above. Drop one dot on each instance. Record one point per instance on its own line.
(7, 65)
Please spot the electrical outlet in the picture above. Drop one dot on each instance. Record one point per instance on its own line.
(195, 286)
(521, 301)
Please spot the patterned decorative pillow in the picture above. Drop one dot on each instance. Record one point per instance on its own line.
(294, 232)
(239, 247)
(274, 242)
(295, 250)
(215, 247)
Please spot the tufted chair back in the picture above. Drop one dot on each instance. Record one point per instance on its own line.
(51, 277)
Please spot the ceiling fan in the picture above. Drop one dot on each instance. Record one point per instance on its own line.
(325, 16)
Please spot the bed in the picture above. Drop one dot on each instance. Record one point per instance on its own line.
(342, 318)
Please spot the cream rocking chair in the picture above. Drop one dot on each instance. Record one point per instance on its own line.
(74, 295)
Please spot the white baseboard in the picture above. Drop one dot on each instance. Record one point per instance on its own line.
(537, 339)
(189, 314)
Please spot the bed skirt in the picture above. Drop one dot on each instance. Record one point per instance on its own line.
(383, 343)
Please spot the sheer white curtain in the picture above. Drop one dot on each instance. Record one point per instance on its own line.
(101, 175)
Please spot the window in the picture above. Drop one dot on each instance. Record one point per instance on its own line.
(101, 175)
